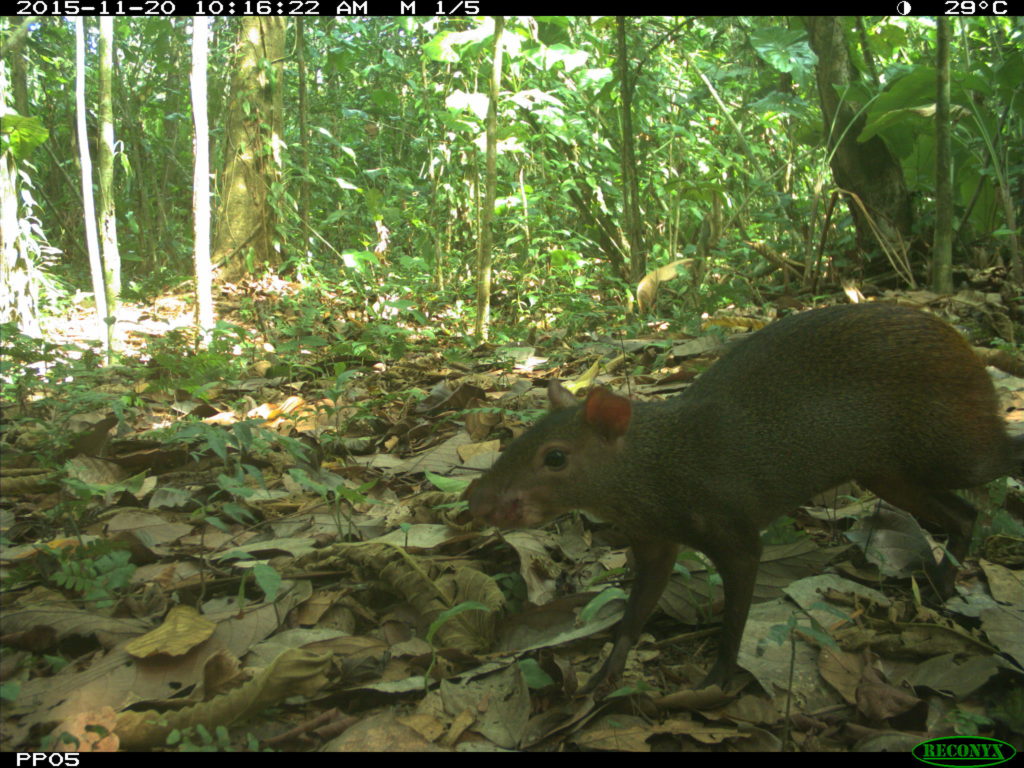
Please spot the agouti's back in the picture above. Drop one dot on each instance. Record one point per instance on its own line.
(888, 396)
(863, 389)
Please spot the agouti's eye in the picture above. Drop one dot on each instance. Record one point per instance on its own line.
(555, 459)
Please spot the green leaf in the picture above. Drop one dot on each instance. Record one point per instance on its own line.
(605, 596)
(268, 580)
(473, 102)
(445, 616)
(440, 49)
(9, 690)
(25, 133)
(785, 50)
(448, 484)
(536, 678)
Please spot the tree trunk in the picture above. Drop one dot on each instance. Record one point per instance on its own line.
(483, 278)
(868, 170)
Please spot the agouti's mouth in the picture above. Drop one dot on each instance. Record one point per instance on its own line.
(509, 516)
(508, 512)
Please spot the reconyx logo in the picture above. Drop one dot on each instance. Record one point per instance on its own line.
(963, 751)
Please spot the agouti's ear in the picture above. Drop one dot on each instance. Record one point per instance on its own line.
(559, 396)
(607, 413)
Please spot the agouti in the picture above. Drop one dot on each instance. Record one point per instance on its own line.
(891, 397)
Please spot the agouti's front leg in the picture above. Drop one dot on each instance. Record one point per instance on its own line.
(652, 562)
(737, 562)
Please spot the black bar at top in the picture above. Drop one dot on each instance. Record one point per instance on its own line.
(468, 8)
